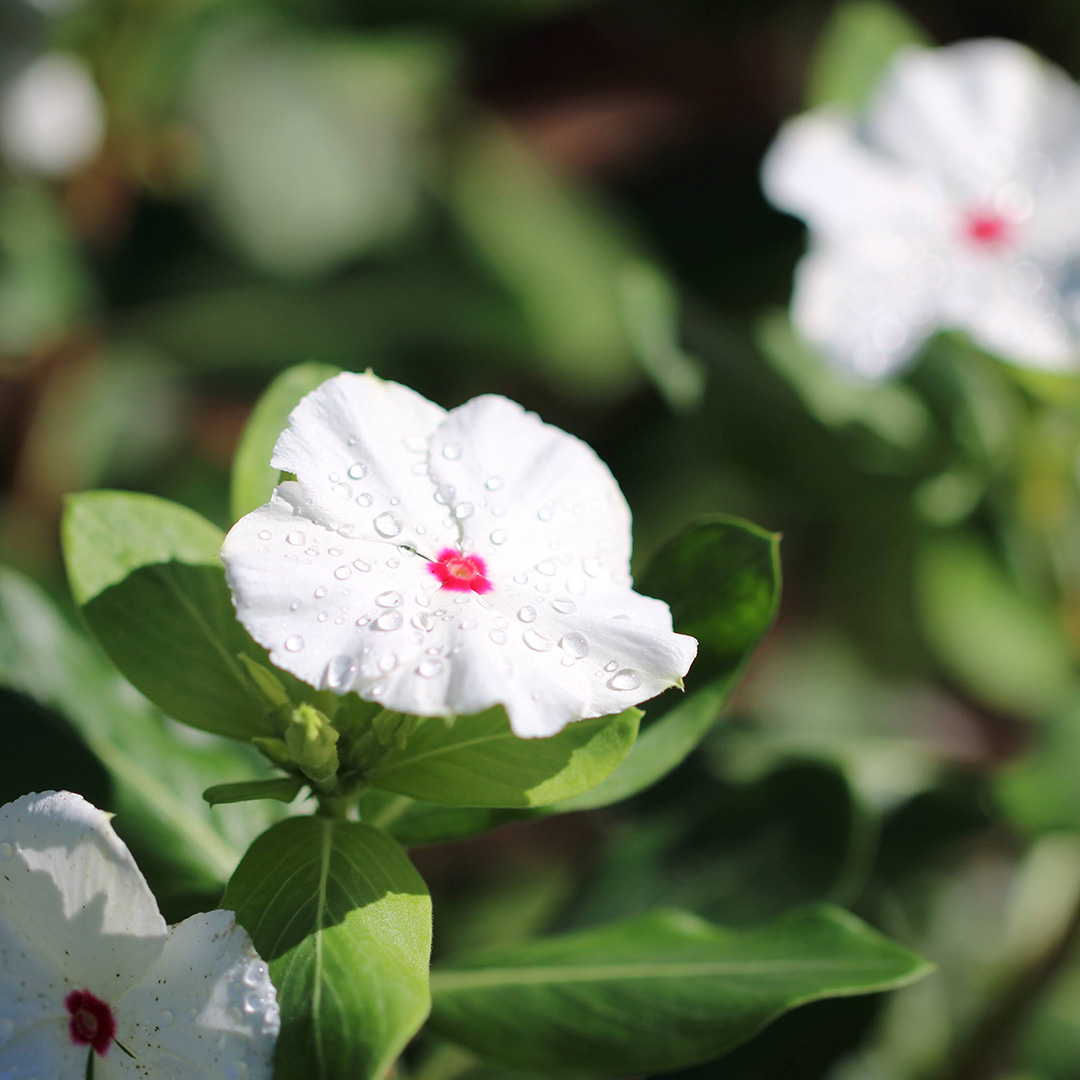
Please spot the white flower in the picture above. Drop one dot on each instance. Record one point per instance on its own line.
(88, 966)
(442, 563)
(952, 202)
(52, 119)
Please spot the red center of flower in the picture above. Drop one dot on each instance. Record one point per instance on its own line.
(986, 229)
(92, 1022)
(461, 573)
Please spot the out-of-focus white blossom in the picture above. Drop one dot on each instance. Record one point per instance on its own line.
(52, 119)
(952, 202)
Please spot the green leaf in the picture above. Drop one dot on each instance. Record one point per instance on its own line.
(479, 761)
(280, 788)
(181, 843)
(253, 479)
(657, 992)
(412, 822)
(557, 251)
(721, 578)
(344, 921)
(854, 49)
(1004, 646)
(147, 576)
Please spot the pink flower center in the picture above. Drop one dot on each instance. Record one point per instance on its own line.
(986, 229)
(92, 1022)
(461, 573)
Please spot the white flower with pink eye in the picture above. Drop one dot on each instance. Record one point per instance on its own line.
(91, 976)
(952, 202)
(442, 563)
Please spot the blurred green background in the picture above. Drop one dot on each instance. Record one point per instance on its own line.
(558, 200)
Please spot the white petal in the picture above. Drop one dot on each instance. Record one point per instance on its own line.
(1010, 309)
(820, 170)
(869, 305)
(73, 900)
(206, 1010)
(973, 113)
(42, 1052)
(527, 493)
(358, 446)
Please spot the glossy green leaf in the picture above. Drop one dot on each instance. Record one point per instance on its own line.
(157, 776)
(344, 921)
(854, 49)
(1003, 645)
(657, 992)
(479, 761)
(146, 574)
(279, 788)
(253, 479)
(721, 578)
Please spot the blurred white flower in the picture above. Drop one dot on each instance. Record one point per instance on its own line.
(952, 202)
(52, 119)
(88, 966)
(442, 563)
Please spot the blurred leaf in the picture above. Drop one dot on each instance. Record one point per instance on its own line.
(854, 49)
(651, 311)
(279, 788)
(413, 822)
(314, 145)
(1039, 791)
(253, 479)
(44, 285)
(146, 574)
(182, 844)
(889, 410)
(557, 251)
(1005, 647)
(735, 853)
(344, 921)
(479, 761)
(655, 993)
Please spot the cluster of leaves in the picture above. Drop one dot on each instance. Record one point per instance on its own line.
(335, 905)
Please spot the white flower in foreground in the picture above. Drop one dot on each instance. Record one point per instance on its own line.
(89, 968)
(442, 563)
(952, 202)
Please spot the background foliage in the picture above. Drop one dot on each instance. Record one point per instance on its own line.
(558, 200)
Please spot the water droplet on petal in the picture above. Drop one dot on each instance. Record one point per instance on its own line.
(527, 614)
(266, 534)
(388, 524)
(415, 444)
(576, 586)
(320, 592)
(390, 598)
(333, 552)
(591, 567)
(537, 641)
(388, 620)
(547, 568)
(340, 673)
(467, 624)
(463, 510)
(358, 470)
(451, 451)
(563, 605)
(387, 663)
(575, 644)
(392, 564)
(498, 636)
(428, 669)
(521, 579)
(611, 665)
(294, 643)
(343, 573)
(626, 679)
(364, 499)
(423, 621)
(255, 975)
(165, 1019)
(312, 552)
(544, 514)
(296, 538)
(6, 851)
(362, 565)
